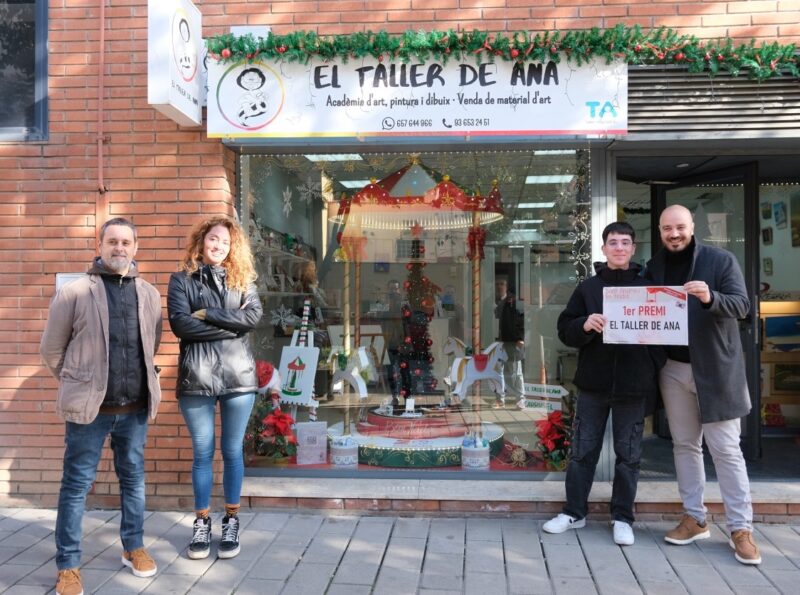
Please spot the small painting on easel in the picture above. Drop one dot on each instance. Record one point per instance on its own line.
(298, 368)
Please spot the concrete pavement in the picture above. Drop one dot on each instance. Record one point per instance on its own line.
(309, 552)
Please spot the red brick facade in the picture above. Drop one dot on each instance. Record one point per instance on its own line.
(165, 177)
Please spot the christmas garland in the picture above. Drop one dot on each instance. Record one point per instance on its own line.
(657, 46)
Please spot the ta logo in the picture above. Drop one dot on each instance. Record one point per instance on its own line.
(599, 110)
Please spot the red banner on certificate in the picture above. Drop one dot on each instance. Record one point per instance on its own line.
(656, 315)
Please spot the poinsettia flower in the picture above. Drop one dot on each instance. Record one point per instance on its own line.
(282, 422)
(544, 427)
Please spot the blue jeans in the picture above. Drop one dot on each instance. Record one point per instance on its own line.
(83, 447)
(234, 411)
(627, 423)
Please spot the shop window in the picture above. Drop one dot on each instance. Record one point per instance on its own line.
(23, 69)
(377, 272)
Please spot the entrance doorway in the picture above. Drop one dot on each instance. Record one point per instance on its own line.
(735, 208)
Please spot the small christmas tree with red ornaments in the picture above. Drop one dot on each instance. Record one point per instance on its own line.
(415, 358)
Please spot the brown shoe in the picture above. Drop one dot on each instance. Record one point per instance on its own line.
(140, 563)
(744, 548)
(69, 582)
(687, 531)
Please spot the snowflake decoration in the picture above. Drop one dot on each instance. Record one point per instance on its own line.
(309, 190)
(349, 166)
(282, 317)
(287, 201)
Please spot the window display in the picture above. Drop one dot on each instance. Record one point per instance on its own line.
(396, 258)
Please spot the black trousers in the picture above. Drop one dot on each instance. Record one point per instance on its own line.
(627, 422)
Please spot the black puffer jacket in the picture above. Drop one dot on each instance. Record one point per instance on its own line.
(215, 357)
(627, 372)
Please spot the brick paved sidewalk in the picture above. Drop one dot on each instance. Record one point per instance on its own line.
(308, 553)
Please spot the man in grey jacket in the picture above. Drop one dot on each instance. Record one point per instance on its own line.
(704, 386)
(101, 336)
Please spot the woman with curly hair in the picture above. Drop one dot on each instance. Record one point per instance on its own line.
(213, 305)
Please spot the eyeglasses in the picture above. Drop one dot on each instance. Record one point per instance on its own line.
(619, 244)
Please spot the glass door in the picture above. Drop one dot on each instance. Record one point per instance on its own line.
(725, 208)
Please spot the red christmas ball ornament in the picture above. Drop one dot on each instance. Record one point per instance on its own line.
(422, 249)
(680, 57)
(425, 279)
(403, 365)
(514, 53)
(434, 382)
(720, 58)
(707, 57)
(407, 340)
(409, 266)
(225, 53)
(637, 48)
(431, 359)
(406, 284)
(429, 342)
(380, 57)
(417, 372)
(281, 49)
(660, 55)
(249, 56)
(553, 49)
(407, 313)
(426, 303)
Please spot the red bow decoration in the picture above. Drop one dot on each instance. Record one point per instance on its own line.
(475, 241)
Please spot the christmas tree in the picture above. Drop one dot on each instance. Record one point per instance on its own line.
(415, 358)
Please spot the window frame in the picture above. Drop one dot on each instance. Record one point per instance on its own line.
(39, 131)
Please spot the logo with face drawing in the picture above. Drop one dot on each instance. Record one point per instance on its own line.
(250, 95)
(184, 49)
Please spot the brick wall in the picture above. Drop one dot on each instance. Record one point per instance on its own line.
(166, 177)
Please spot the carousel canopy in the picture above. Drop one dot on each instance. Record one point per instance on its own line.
(416, 196)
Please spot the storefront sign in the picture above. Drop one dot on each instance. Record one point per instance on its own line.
(646, 315)
(371, 98)
(174, 54)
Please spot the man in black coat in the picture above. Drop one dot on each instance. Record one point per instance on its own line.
(511, 331)
(617, 379)
(704, 386)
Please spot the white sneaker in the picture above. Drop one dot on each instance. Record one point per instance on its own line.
(563, 522)
(623, 533)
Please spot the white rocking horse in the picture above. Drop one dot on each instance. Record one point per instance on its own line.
(349, 369)
(483, 366)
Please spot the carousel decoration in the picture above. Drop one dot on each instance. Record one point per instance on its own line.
(412, 202)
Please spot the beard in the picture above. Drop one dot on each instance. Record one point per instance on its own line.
(117, 264)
